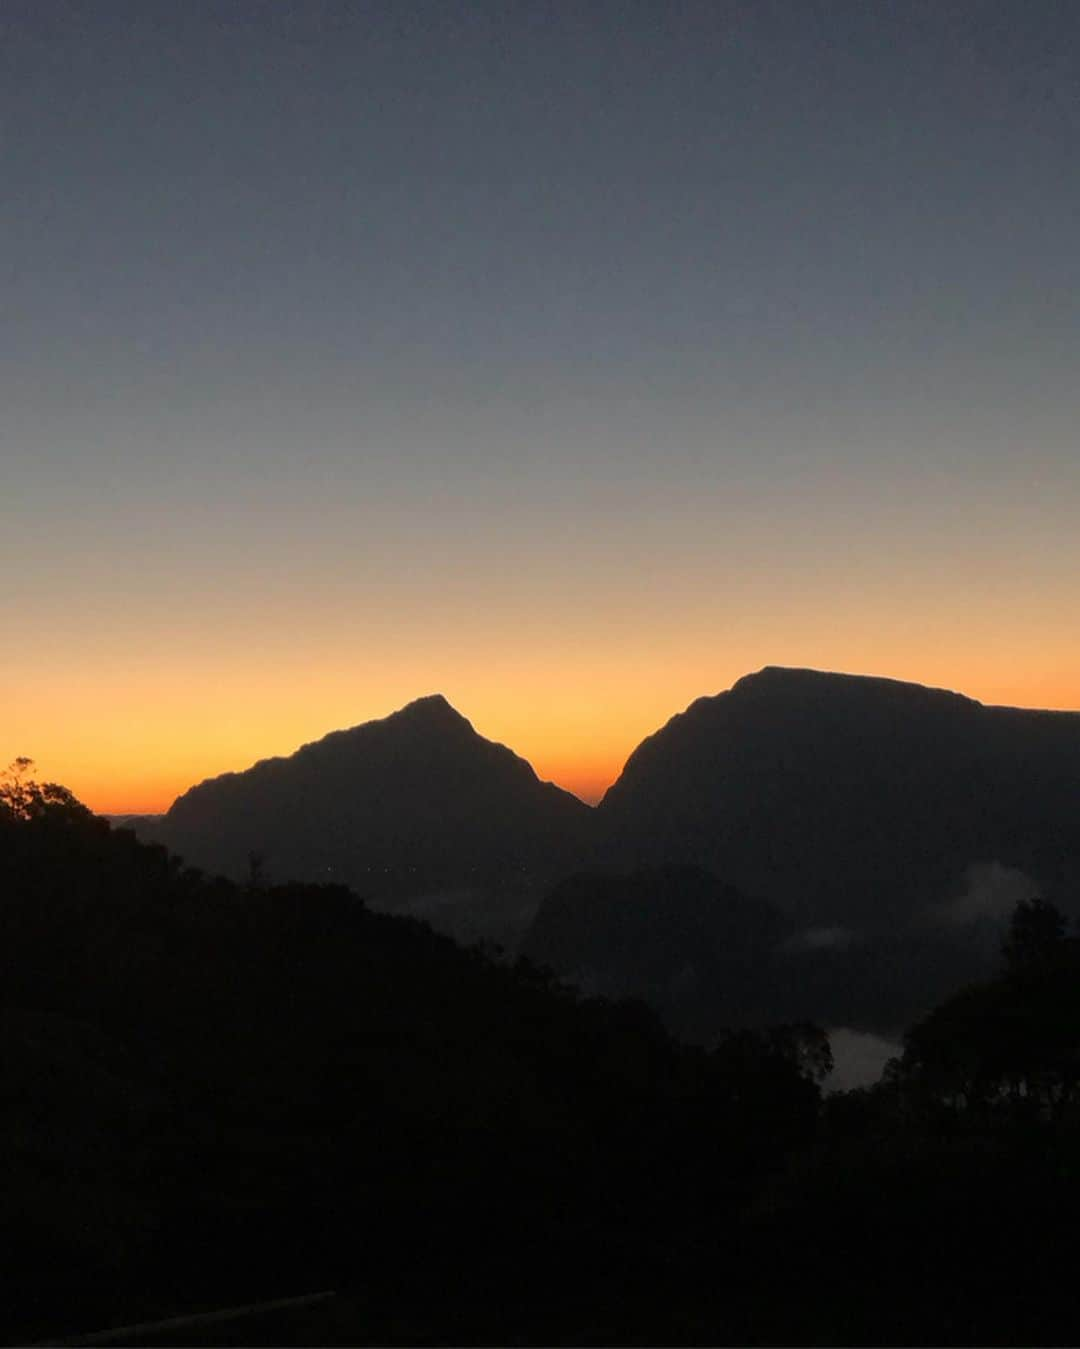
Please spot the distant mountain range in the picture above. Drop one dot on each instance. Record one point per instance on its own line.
(871, 822)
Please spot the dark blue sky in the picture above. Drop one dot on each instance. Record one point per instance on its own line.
(531, 327)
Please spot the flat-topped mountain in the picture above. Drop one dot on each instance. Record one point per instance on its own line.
(851, 799)
(415, 803)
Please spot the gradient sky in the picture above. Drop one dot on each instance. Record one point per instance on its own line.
(572, 360)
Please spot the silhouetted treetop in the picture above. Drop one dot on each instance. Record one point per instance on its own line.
(23, 798)
(1036, 932)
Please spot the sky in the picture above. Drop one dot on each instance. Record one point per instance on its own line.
(569, 360)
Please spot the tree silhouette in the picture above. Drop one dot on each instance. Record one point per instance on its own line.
(1011, 1044)
(1036, 933)
(22, 797)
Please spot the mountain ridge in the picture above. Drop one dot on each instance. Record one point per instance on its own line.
(895, 818)
(787, 678)
(417, 711)
(758, 781)
(415, 805)
(431, 712)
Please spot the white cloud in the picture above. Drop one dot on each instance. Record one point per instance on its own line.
(990, 891)
(858, 1058)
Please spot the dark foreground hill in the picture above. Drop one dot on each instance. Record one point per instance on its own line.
(217, 1095)
(416, 804)
(853, 801)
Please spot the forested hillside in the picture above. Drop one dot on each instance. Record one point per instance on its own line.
(215, 1094)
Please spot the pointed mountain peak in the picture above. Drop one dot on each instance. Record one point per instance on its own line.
(432, 710)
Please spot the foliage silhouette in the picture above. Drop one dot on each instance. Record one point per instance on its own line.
(22, 797)
(212, 1093)
(1010, 1045)
(254, 1090)
(1036, 931)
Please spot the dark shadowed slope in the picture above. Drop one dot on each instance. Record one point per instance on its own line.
(847, 799)
(697, 950)
(413, 804)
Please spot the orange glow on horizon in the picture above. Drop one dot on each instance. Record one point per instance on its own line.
(141, 763)
(568, 637)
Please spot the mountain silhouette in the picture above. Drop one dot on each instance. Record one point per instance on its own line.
(848, 799)
(414, 804)
(890, 826)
